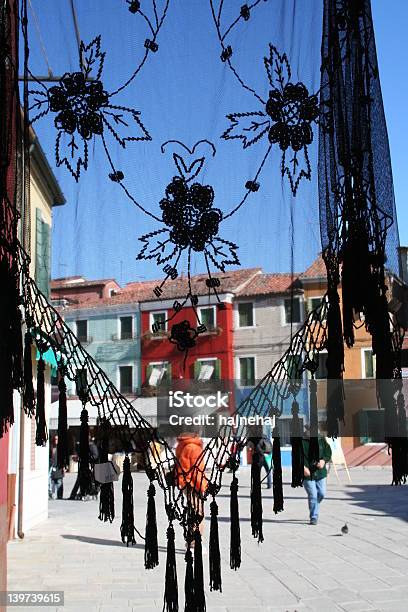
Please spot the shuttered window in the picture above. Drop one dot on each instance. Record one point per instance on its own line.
(245, 314)
(292, 310)
(125, 379)
(43, 253)
(126, 328)
(247, 371)
(82, 330)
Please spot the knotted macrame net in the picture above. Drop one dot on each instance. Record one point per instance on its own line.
(170, 127)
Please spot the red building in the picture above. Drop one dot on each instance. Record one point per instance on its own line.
(212, 356)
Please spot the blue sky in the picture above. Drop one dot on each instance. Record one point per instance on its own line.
(184, 92)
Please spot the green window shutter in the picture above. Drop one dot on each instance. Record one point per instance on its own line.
(38, 246)
(42, 253)
(217, 369)
(149, 369)
(197, 368)
(168, 366)
(47, 257)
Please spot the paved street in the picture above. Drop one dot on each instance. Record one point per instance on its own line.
(298, 567)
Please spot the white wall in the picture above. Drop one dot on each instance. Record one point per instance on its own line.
(36, 464)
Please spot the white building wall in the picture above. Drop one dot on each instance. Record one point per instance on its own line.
(36, 464)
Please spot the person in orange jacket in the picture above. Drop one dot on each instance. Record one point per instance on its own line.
(190, 474)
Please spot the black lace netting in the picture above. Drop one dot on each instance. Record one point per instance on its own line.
(258, 99)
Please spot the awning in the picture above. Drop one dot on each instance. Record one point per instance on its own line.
(49, 358)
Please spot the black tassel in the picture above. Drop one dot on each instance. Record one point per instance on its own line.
(314, 441)
(6, 347)
(256, 498)
(199, 594)
(127, 528)
(62, 447)
(235, 532)
(41, 434)
(277, 473)
(297, 448)
(106, 495)
(106, 502)
(171, 587)
(17, 344)
(399, 445)
(84, 466)
(151, 556)
(335, 353)
(6, 386)
(189, 605)
(214, 550)
(28, 389)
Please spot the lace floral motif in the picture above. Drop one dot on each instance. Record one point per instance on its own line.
(287, 118)
(82, 110)
(183, 335)
(191, 223)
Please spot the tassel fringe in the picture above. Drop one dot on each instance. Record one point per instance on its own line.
(297, 448)
(127, 528)
(235, 533)
(62, 448)
(151, 557)
(41, 435)
(277, 474)
(199, 594)
(171, 587)
(189, 605)
(28, 388)
(84, 467)
(256, 498)
(214, 550)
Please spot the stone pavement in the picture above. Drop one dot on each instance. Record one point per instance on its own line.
(298, 567)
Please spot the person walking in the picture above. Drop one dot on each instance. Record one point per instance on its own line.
(56, 474)
(189, 470)
(263, 448)
(315, 475)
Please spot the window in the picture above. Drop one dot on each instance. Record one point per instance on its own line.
(293, 365)
(247, 371)
(292, 310)
(82, 330)
(157, 373)
(112, 292)
(245, 314)
(207, 369)
(158, 323)
(126, 328)
(371, 426)
(368, 363)
(126, 379)
(207, 317)
(314, 303)
(321, 371)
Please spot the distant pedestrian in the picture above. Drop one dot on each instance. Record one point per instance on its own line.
(315, 474)
(189, 471)
(56, 474)
(263, 449)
